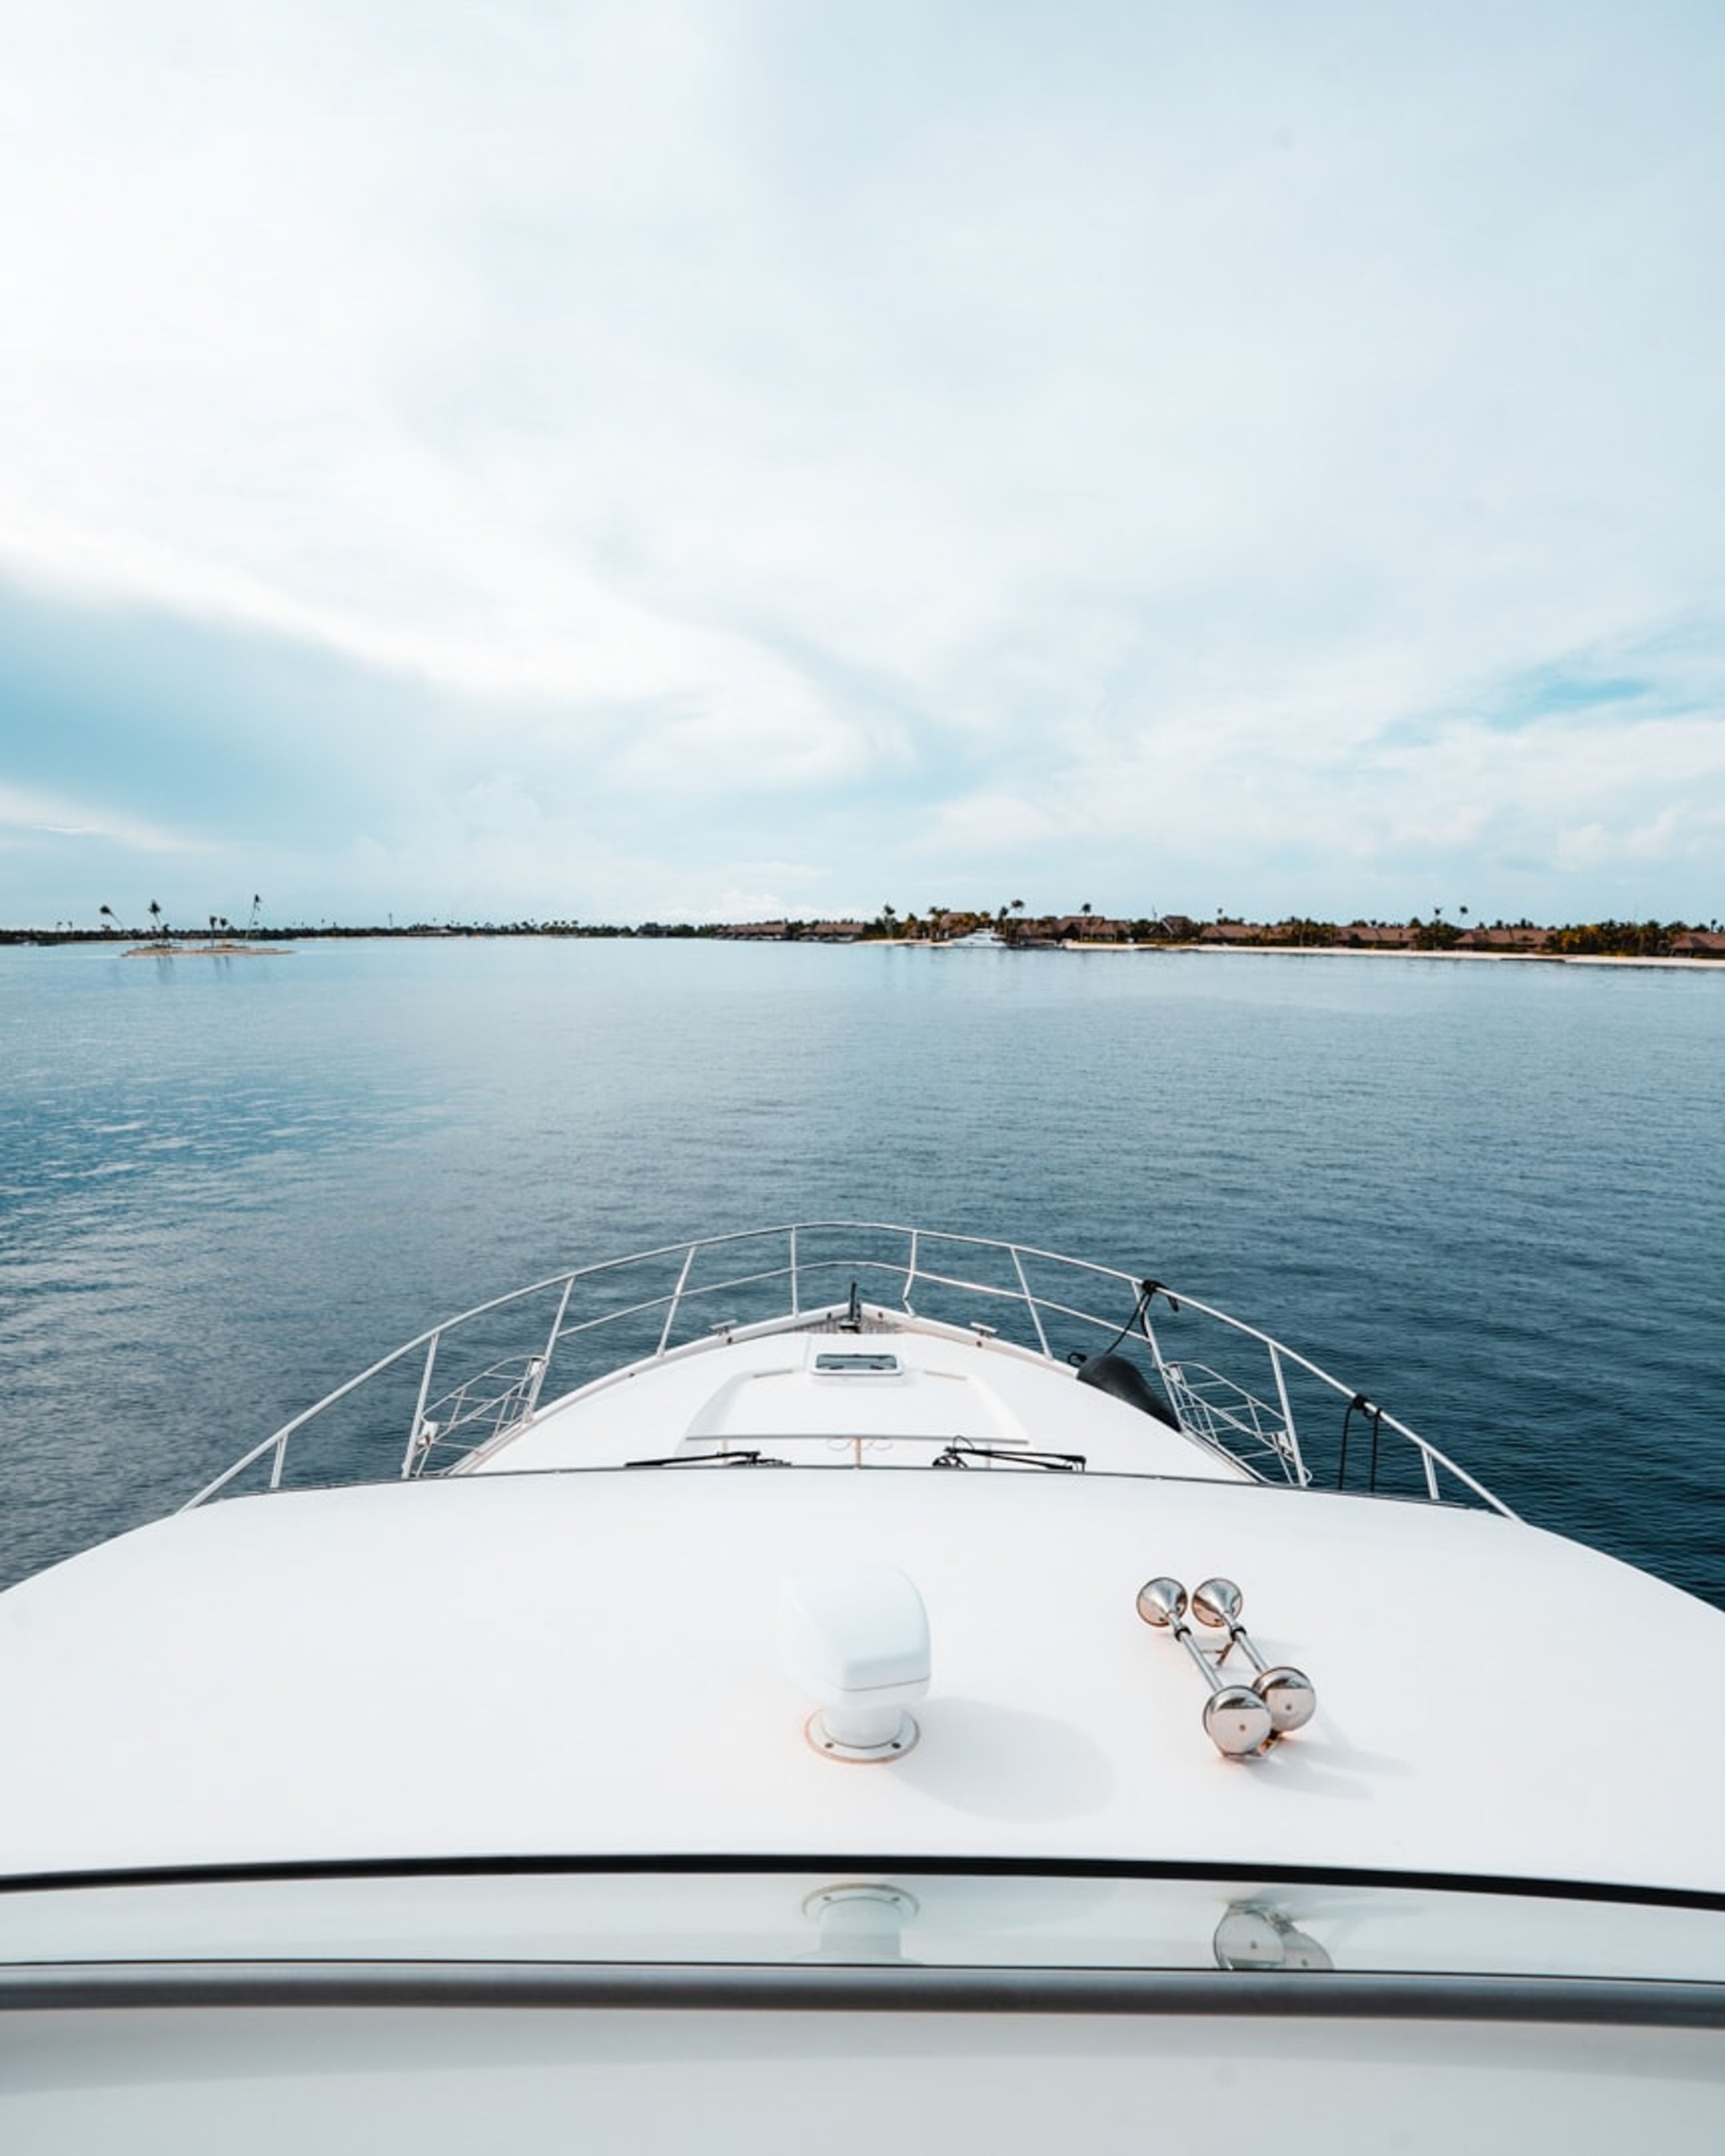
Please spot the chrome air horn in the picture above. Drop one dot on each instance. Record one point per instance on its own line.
(1289, 1693)
(1239, 1721)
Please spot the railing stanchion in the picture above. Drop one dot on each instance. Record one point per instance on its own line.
(1287, 1415)
(796, 1284)
(419, 1422)
(671, 1315)
(551, 1342)
(1017, 1266)
(1149, 1329)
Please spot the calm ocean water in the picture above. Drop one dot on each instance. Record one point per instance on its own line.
(1492, 1196)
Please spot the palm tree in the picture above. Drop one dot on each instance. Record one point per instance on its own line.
(251, 926)
(106, 915)
(158, 927)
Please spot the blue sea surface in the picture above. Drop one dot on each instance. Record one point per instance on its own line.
(1491, 1196)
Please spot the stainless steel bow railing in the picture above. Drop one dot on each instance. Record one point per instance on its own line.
(655, 1305)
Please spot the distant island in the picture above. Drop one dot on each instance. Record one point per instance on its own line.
(1015, 928)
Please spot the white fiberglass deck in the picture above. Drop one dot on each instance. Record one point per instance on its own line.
(587, 1663)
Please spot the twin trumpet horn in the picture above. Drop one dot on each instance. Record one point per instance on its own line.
(1241, 1719)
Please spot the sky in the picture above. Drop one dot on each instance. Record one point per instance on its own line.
(713, 460)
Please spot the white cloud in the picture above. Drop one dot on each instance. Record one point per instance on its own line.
(1012, 434)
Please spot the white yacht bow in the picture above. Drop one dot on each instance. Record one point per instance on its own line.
(896, 1629)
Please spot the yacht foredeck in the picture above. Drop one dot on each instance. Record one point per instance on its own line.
(826, 1389)
(484, 1382)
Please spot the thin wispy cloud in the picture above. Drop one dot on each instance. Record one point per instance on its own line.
(573, 458)
(28, 819)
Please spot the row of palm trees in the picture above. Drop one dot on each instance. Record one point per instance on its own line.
(939, 918)
(160, 932)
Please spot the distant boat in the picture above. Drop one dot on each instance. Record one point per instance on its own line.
(979, 939)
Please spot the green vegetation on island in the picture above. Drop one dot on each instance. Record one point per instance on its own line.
(936, 925)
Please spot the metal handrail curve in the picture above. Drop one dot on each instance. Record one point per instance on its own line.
(1213, 1408)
